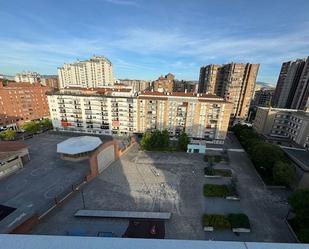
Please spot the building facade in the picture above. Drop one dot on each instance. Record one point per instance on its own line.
(136, 85)
(164, 83)
(234, 81)
(292, 90)
(123, 112)
(50, 81)
(99, 111)
(263, 97)
(185, 86)
(283, 124)
(28, 77)
(92, 73)
(23, 101)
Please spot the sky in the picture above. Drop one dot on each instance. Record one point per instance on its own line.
(147, 38)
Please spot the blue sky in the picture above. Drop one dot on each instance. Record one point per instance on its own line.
(146, 38)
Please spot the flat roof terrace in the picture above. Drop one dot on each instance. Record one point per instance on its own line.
(33, 189)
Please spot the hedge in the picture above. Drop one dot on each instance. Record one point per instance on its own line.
(239, 221)
(217, 221)
(220, 172)
(215, 158)
(212, 190)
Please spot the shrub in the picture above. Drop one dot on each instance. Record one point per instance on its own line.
(217, 158)
(216, 221)
(283, 173)
(239, 221)
(212, 190)
(31, 126)
(8, 134)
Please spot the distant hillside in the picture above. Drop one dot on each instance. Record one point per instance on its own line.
(265, 84)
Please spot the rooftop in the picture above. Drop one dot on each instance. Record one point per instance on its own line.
(76, 145)
(8, 146)
(300, 157)
(67, 242)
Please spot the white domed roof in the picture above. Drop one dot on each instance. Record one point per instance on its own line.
(76, 145)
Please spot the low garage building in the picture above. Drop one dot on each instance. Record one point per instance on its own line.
(99, 154)
(300, 160)
(13, 156)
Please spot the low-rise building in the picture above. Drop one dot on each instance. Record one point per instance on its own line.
(283, 125)
(50, 81)
(13, 156)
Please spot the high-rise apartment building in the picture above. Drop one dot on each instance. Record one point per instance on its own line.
(106, 111)
(23, 101)
(263, 97)
(28, 77)
(283, 125)
(185, 86)
(164, 83)
(292, 90)
(234, 81)
(92, 73)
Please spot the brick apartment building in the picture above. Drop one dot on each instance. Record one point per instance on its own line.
(20, 102)
(164, 83)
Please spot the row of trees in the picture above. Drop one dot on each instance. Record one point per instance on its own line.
(269, 160)
(159, 140)
(31, 127)
(299, 202)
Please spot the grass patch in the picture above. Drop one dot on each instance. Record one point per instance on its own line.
(217, 221)
(239, 221)
(212, 190)
(217, 172)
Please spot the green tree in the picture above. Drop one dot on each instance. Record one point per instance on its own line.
(299, 202)
(183, 141)
(264, 157)
(46, 123)
(31, 126)
(283, 173)
(165, 138)
(8, 134)
(145, 142)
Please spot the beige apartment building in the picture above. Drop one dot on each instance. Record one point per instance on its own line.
(123, 112)
(92, 73)
(234, 82)
(203, 116)
(283, 125)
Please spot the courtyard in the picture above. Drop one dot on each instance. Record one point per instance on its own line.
(139, 181)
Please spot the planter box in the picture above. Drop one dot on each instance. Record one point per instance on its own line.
(208, 229)
(233, 198)
(241, 230)
(213, 176)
